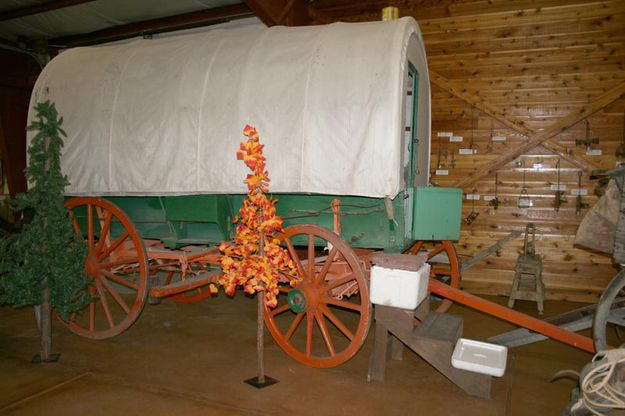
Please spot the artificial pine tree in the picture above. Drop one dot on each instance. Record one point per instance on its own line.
(44, 263)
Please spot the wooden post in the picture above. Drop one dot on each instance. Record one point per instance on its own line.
(261, 380)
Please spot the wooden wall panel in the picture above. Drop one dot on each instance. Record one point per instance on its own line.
(17, 75)
(534, 62)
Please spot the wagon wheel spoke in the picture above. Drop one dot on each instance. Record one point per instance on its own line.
(326, 265)
(90, 232)
(115, 295)
(294, 325)
(337, 322)
(104, 303)
(324, 332)
(331, 298)
(295, 258)
(108, 216)
(311, 257)
(309, 333)
(124, 280)
(75, 224)
(120, 279)
(113, 246)
(280, 310)
(92, 306)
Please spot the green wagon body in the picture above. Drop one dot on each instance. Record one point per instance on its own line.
(421, 213)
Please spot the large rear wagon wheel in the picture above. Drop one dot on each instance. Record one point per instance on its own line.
(116, 263)
(444, 263)
(324, 320)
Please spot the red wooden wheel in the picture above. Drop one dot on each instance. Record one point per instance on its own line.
(444, 265)
(117, 264)
(323, 321)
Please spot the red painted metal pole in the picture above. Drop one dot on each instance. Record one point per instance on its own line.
(512, 316)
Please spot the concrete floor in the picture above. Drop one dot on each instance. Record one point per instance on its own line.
(192, 359)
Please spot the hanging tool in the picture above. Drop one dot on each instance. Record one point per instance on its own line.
(453, 157)
(579, 205)
(588, 142)
(524, 200)
(495, 201)
(473, 214)
(445, 153)
(620, 151)
(560, 198)
(439, 164)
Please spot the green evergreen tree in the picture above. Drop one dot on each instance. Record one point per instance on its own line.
(44, 263)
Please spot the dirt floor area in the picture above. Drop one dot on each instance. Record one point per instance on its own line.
(192, 359)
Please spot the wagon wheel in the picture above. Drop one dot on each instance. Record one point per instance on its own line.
(116, 263)
(444, 265)
(610, 310)
(324, 321)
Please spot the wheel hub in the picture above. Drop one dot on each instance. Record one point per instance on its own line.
(297, 300)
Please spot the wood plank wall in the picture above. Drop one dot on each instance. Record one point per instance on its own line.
(513, 69)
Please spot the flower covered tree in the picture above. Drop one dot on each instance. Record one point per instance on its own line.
(254, 259)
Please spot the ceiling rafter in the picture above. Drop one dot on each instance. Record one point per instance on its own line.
(543, 135)
(286, 12)
(40, 8)
(177, 22)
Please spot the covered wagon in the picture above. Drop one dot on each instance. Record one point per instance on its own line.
(153, 126)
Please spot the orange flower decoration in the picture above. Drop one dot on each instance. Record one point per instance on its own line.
(243, 262)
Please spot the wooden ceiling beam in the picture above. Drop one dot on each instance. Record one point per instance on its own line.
(177, 22)
(40, 8)
(501, 116)
(556, 128)
(286, 12)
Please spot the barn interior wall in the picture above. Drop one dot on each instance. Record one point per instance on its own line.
(18, 73)
(515, 69)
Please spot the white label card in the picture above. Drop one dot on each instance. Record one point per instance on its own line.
(537, 165)
(442, 172)
(489, 197)
(525, 202)
(594, 152)
(466, 151)
(455, 139)
(498, 138)
(556, 187)
(444, 134)
(473, 197)
(579, 191)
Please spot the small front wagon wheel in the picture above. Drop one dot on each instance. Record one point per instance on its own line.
(324, 320)
(444, 263)
(116, 264)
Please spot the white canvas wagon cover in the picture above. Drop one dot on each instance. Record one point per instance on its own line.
(165, 116)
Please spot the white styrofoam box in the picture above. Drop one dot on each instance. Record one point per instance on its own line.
(399, 288)
(480, 357)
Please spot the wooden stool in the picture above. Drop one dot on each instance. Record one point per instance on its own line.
(528, 281)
